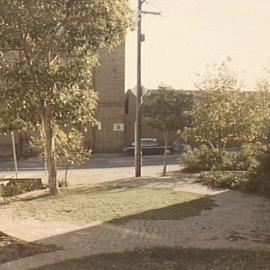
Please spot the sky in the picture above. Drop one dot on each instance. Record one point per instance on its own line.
(193, 34)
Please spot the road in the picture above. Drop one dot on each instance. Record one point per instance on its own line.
(99, 168)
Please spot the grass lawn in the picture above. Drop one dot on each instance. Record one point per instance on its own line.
(108, 202)
(171, 259)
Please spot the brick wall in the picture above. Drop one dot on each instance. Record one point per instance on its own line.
(109, 81)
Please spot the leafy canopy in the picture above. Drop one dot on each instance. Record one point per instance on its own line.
(167, 109)
(224, 114)
(48, 50)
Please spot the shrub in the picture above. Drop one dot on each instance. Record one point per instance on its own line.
(228, 180)
(260, 177)
(204, 158)
(16, 187)
(248, 158)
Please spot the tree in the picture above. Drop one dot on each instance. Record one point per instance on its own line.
(69, 149)
(166, 109)
(215, 114)
(48, 50)
(262, 101)
(225, 115)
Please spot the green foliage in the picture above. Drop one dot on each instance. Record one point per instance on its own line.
(70, 149)
(167, 109)
(69, 145)
(48, 49)
(248, 159)
(14, 187)
(228, 180)
(224, 115)
(204, 158)
(254, 161)
(260, 177)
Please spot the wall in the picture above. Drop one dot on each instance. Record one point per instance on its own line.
(109, 81)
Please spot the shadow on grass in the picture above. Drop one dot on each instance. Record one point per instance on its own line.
(172, 212)
(119, 234)
(172, 180)
(171, 259)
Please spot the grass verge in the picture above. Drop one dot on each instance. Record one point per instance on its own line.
(105, 203)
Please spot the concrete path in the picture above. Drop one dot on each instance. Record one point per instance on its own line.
(229, 220)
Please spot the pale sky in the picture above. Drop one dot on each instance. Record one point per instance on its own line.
(194, 33)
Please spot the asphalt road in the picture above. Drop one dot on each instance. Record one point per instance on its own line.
(96, 161)
(99, 168)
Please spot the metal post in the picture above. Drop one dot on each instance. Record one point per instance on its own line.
(14, 154)
(138, 130)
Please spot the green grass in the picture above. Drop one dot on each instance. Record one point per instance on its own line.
(109, 202)
(171, 259)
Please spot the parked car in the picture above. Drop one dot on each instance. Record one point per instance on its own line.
(149, 146)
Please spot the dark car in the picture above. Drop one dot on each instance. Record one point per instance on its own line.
(149, 146)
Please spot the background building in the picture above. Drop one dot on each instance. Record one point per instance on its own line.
(109, 82)
(108, 136)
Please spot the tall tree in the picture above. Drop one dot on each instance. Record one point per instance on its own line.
(167, 110)
(48, 49)
(214, 114)
(225, 115)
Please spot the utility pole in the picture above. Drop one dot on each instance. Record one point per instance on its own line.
(138, 123)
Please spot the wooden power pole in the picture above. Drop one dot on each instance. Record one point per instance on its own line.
(138, 124)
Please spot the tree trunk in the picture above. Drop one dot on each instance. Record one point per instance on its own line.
(50, 155)
(66, 173)
(164, 172)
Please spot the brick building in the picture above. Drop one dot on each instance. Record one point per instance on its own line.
(109, 81)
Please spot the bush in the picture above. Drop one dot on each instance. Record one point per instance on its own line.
(248, 158)
(254, 159)
(16, 187)
(204, 158)
(260, 177)
(228, 180)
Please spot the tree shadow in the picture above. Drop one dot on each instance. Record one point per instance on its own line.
(166, 227)
(177, 211)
